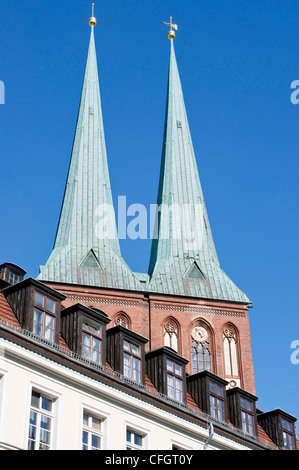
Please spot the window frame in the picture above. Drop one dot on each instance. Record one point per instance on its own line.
(247, 413)
(13, 278)
(176, 377)
(219, 398)
(41, 412)
(115, 338)
(231, 353)
(178, 446)
(45, 314)
(91, 431)
(171, 334)
(132, 358)
(205, 351)
(136, 430)
(92, 336)
(288, 434)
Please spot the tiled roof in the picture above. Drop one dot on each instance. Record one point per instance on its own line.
(264, 438)
(6, 312)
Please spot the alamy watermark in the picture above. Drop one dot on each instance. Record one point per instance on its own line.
(166, 221)
(295, 353)
(2, 93)
(294, 96)
(295, 344)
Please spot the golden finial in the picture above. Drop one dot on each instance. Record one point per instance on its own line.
(171, 33)
(92, 20)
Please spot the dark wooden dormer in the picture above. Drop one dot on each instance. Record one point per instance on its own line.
(84, 330)
(209, 392)
(166, 369)
(10, 274)
(126, 352)
(37, 308)
(242, 410)
(280, 427)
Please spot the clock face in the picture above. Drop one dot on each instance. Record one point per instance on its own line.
(200, 334)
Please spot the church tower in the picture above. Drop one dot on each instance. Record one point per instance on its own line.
(183, 253)
(86, 249)
(207, 313)
(185, 302)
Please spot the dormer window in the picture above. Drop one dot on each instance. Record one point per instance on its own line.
(125, 352)
(10, 274)
(288, 434)
(92, 342)
(280, 426)
(84, 330)
(44, 316)
(167, 371)
(174, 380)
(132, 361)
(216, 401)
(248, 416)
(13, 278)
(37, 308)
(242, 410)
(208, 390)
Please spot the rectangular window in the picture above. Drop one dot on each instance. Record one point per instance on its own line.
(44, 316)
(92, 343)
(135, 440)
(174, 380)
(132, 361)
(288, 435)
(92, 435)
(216, 401)
(13, 278)
(41, 422)
(247, 416)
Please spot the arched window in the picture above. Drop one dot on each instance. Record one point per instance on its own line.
(122, 319)
(201, 340)
(230, 346)
(171, 334)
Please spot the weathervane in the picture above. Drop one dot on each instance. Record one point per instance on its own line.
(171, 33)
(92, 20)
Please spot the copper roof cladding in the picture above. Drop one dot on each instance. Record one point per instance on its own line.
(178, 266)
(81, 257)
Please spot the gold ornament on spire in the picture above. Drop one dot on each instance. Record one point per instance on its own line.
(171, 33)
(92, 20)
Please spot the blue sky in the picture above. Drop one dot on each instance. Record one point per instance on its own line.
(237, 61)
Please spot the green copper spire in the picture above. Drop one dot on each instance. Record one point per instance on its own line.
(183, 258)
(86, 249)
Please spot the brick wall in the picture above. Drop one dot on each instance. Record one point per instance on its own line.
(148, 314)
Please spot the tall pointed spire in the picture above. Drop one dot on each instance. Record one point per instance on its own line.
(86, 249)
(183, 257)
